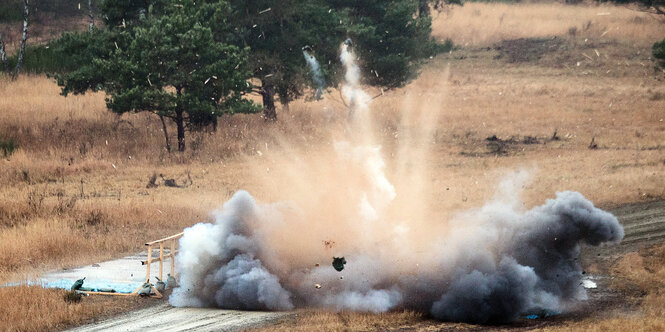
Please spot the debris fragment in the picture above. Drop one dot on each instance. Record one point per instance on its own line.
(588, 284)
(338, 263)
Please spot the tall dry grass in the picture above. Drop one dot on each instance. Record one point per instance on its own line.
(32, 308)
(482, 24)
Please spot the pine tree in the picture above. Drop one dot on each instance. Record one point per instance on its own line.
(167, 64)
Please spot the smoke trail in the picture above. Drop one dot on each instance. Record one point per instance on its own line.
(486, 265)
(315, 68)
(358, 99)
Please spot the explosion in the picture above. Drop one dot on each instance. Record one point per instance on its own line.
(485, 265)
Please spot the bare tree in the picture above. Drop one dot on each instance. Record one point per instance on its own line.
(91, 15)
(3, 54)
(24, 38)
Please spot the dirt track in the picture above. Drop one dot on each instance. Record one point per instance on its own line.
(644, 224)
(167, 318)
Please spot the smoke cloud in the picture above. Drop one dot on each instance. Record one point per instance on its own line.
(489, 264)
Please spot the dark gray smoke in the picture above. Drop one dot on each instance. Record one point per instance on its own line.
(218, 265)
(538, 266)
(495, 264)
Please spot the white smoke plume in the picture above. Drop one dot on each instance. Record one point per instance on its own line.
(317, 75)
(486, 265)
(358, 99)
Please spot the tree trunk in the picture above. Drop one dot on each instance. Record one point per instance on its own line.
(214, 124)
(180, 123)
(423, 8)
(3, 55)
(268, 94)
(21, 51)
(91, 15)
(166, 134)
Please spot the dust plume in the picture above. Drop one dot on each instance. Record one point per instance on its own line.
(489, 264)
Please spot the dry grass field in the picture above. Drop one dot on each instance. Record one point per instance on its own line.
(544, 79)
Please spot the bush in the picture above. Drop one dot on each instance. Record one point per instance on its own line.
(446, 46)
(8, 146)
(11, 11)
(72, 297)
(44, 59)
(658, 51)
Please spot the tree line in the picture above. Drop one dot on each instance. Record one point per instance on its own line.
(190, 61)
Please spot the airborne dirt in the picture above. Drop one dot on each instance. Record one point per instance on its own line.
(644, 224)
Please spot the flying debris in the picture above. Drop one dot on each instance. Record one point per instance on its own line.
(338, 263)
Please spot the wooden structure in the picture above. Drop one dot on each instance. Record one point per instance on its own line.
(171, 241)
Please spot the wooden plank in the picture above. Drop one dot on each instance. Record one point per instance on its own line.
(164, 239)
(173, 251)
(109, 293)
(161, 260)
(165, 257)
(147, 274)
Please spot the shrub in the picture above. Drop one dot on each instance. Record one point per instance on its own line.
(72, 297)
(44, 59)
(658, 51)
(11, 11)
(8, 146)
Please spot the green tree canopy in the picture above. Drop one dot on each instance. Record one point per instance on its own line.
(392, 39)
(167, 64)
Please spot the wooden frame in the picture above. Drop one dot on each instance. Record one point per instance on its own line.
(172, 241)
